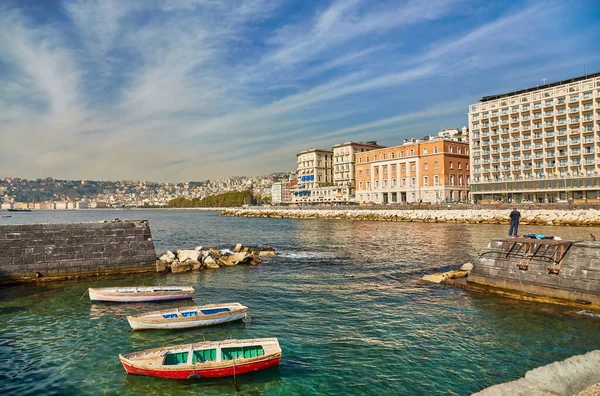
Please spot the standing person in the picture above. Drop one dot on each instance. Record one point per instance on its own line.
(515, 215)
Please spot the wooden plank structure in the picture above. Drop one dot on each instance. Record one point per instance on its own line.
(528, 249)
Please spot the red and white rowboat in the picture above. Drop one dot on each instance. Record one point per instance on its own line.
(141, 293)
(205, 359)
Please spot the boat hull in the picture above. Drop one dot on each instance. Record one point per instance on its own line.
(203, 373)
(142, 324)
(100, 295)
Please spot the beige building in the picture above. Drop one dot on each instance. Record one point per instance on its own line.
(537, 144)
(344, 177)
(314, 171)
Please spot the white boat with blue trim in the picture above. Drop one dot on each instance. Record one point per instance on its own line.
(188, 317)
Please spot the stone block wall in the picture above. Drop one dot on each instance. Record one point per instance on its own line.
(29, 252)
(578, 279)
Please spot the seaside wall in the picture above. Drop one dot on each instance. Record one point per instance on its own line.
(54, 251)
(573, 217)
(577, 281)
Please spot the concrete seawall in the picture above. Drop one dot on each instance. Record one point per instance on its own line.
(574, 217)
(565, 378)
(570, 272)
(59, 251)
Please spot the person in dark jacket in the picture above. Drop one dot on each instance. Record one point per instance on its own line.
(515, 215)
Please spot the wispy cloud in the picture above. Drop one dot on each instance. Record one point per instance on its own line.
(192, 89)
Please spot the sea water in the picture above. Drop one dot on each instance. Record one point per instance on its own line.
(344, 298)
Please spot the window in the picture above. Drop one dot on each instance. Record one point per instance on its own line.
(375, 157)
(425, 151)
(413, 181)
(377, 171)
(435, 149)
(393, 155)
(451, 165)
(412, 168)
(460, 180)
(368, 172)
(385, 170)
(459, 165)
(383, 156)
(360, 172)
(384, 182)
(412, 152)
(401, 154)
(376, 183)
(403, 168)
(436, 180)
(451, 180)
(367, 158)
(435, 165)
(426, 181)
(360, 185)
(360, 160)
(460, 148)
(451, 149)
(425, 166)
(368, 185)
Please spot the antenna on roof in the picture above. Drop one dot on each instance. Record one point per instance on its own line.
(544, 80)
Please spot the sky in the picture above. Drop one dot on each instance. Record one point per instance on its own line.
(180, 90)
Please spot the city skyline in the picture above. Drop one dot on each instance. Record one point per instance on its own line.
(171, 91)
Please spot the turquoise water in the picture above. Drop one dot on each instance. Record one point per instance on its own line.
(344, 298)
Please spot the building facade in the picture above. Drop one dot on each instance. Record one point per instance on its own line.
(538, 144)
(314, 172)
(281, 193)
(344, 161)
(433, 170)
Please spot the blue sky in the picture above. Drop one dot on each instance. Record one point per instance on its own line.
(175, 90)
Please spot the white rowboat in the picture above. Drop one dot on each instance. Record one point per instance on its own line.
(141, 293)
(188, 317)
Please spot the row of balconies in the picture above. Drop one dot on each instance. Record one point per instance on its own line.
(547, 168)
(558, 94)
(560, 109)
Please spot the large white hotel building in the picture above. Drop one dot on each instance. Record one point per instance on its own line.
(538, 144)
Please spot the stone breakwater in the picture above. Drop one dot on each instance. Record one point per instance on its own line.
(211, 258)
(576, 217)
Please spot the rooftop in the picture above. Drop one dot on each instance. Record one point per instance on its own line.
(539, 87)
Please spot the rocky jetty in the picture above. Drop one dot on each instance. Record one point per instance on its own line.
(564, 217)
(211, 258)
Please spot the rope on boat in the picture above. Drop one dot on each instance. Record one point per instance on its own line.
(84, 293)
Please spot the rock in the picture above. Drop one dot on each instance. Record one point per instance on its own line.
(240, 258)
(456, 274)
(209, 262)
(254, 260)
(178, 267)
(226, 261)
(168, 257)
(466, 267)
(184, 255)
(196, 265)
(161, 266)
(214, 253)
(238, 248)
(438, 277)
(266, 253)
